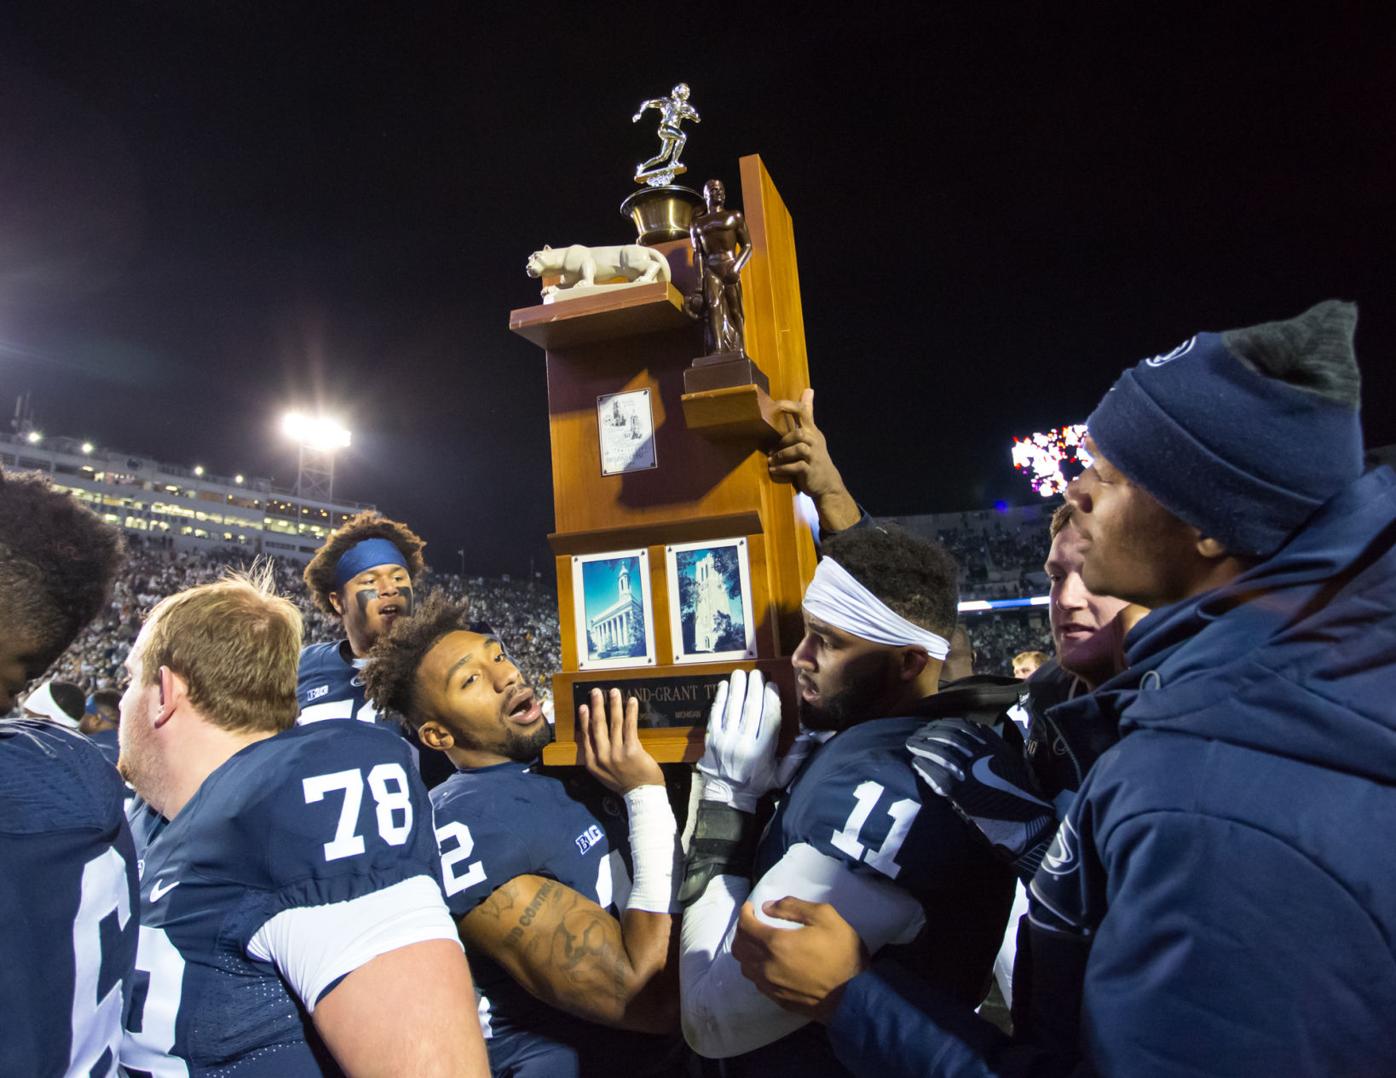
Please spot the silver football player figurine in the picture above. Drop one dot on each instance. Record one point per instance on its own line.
(660, 170)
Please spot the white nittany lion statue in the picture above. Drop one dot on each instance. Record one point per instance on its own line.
(582, 265)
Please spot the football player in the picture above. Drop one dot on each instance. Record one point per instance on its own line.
(568, 951)
(58, 702)
(363, 576)
(101, 720)
(68, 886)
(856, 828)
(291, 913)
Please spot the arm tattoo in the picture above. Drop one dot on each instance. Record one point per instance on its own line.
(498, 904)
(587, 949)
(530, 912)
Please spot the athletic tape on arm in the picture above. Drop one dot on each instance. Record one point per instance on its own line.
(652, 849)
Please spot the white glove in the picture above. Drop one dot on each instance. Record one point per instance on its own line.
(739, 757)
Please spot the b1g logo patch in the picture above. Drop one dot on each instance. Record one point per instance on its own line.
(317, 692)
(1168, 357)
(589, 838)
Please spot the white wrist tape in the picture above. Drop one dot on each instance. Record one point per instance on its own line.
(653, 851)
(836, 597)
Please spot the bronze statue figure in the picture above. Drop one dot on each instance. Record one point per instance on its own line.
(716, 235)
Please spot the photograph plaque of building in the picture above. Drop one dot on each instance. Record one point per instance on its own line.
(710, 601)
(679, 559)
(615, 618)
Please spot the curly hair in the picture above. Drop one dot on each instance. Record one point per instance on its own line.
(915, 577)
(370, 524)
(57, 561)
(390, 676)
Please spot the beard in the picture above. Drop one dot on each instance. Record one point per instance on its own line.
(523, 747)
(845, 708)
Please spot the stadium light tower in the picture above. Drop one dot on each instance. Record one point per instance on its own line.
(317, 438)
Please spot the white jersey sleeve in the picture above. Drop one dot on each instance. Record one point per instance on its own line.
(723, 1013)
(314, 947)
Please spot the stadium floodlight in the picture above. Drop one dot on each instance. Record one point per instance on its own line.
(319, 433)
(198, 469)
(317, 439)
(239, 479)
(34, 437)
(87, 448)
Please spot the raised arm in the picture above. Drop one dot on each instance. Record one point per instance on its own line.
(652, 103)
(565, 949)
(802, 459)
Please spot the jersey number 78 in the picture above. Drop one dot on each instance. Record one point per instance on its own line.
(391, 796)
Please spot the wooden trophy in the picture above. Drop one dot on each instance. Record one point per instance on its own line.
(678, 558)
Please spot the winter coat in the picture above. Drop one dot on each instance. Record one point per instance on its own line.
(1222, 897)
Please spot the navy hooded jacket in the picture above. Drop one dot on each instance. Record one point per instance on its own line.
(1221, 899)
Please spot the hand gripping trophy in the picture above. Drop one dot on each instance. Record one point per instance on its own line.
(661, 169)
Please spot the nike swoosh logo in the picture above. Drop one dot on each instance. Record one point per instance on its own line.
(157, 892)
(1061, 857)
(985, 774)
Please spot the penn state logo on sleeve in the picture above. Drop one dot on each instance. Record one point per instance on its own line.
(1168, 357)
(1061, 855)
(1064, 897)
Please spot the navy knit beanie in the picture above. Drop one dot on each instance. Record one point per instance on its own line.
(1242, 434)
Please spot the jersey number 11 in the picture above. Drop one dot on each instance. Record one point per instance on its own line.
(903, 812)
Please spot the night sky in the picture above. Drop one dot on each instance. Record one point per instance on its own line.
(211, 211)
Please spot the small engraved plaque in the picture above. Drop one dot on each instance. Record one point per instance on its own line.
(625, 428)
(664, 702)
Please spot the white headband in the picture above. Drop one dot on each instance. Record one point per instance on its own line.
(834, 596)
(41, 703)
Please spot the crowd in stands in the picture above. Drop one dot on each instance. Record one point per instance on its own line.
(998, 637)
(1000, 552)
(523, 613)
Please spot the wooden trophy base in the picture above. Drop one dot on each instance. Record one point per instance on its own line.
(674, 704)
(728, 396)
(724, 370)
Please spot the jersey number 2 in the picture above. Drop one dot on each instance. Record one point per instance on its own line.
(390, 801)
(465, 845)
(884, 858)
